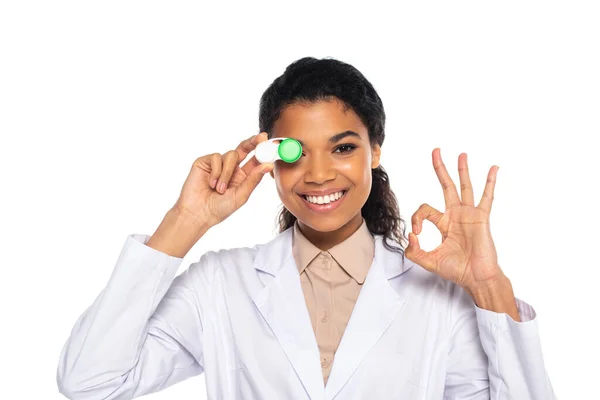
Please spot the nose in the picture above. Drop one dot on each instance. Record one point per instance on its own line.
(319, 169)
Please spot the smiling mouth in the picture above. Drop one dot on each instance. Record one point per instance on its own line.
(324, 200)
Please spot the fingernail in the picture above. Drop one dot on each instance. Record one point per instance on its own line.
(222, 187)
(213, 183)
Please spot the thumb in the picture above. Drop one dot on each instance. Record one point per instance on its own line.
(419, 256)
(246, 188)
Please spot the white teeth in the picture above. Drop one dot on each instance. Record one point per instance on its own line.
(324, 199)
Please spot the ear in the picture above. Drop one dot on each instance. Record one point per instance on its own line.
(375, 156)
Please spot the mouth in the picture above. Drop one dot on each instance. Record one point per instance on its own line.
(321, 204)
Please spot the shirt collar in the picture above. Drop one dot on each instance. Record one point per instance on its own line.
(355, 254)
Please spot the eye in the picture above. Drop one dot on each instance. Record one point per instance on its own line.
(349, 148)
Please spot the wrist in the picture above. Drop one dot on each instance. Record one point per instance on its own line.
(177, 233)
(497, 296)
(186, 218)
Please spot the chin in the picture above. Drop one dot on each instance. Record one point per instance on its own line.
(324, 224)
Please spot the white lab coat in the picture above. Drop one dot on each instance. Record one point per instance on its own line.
(240, 317)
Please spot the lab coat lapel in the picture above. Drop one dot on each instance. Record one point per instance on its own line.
(377, 305)
(281, 303)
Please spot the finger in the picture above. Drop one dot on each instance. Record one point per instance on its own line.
(419, 256)
(488, 192)
(466, 189)
(230, 162)
(450, 194)
(246, 146)
(243, 191)
(253, 162)
(426, 212)
(216, 165)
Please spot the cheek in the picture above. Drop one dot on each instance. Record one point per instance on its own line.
(285, 179)
(358, 171)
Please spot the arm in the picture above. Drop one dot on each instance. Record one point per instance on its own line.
(144, 331)
(495, 353)
(491, 355)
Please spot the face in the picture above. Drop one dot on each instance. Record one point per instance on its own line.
(337, 157)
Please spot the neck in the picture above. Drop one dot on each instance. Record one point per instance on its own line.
(327, 240)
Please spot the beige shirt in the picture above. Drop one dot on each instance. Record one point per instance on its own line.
(331, 281)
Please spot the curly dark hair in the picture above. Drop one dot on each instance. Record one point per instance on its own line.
(310, 80)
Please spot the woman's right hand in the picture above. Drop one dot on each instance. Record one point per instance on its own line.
(216, 186)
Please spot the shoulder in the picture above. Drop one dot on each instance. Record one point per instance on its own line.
(236, 262)
(215, 262)
(406, 273)
(424, 280)
(421, 282)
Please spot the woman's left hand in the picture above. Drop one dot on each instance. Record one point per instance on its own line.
(467, 255)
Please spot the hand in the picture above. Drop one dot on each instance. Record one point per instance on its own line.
(467, 255)
(216, 186)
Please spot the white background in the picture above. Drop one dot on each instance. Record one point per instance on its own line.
(105, 105)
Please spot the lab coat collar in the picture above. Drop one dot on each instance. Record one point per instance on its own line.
(271, 255)
(281, 303)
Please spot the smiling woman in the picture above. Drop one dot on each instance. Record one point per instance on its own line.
(338, 117)
(335, 306)
(332, 163)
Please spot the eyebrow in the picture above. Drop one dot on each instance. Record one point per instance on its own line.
(337, 137)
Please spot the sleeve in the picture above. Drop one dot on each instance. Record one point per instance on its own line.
(491, 356)
(142, 333)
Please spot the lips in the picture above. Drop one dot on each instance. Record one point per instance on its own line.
(329, 198)
(323, 192)
(324, 207)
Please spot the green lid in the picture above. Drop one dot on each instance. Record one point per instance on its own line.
(290, 150)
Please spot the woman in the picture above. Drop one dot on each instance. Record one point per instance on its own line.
(284, 320)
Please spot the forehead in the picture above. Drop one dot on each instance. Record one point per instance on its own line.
(317, 121)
